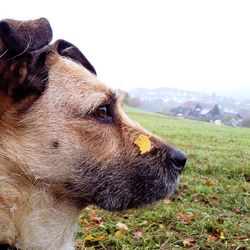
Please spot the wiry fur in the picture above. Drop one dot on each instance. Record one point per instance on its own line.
(56, 158)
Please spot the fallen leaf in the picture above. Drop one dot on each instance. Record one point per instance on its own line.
(92, 213)
(79, 244)
(185, 218)
(241, 238)
(81, 221)
(118, 233)
(167, 201)
(137, 234)
(216, 235)
(236, 210)
(143, 143)
(122, 226)
(90, 238)
(95, 218)
(199, 198)
(222, 236)
(101, 236)
(97, 238)
(188, 242)
(98, 220)
(212, 238)
(214, 199)
(208, 183)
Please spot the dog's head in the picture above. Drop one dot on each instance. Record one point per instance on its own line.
(60, 126)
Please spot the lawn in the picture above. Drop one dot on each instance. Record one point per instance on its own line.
(211, 207)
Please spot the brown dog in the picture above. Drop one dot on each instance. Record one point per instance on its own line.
(65, 142)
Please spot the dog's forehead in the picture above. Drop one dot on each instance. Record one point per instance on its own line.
(75, 82)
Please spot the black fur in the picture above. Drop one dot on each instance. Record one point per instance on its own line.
(33, 83)
(7, 247)
(37, 77)
(25, 43)
(23, 46)
(131, 182)
(67, 49)
(21, 37)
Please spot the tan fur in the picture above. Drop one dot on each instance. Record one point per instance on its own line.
(34, 210)
(49, 148)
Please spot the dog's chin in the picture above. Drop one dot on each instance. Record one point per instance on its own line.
(114, 189)
(122, 198)
(125, 201)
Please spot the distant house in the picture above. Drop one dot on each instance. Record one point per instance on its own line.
(180, 111)
(204, 113)
(217, 122)
(232, 119)
(200, 113)
(198, 107)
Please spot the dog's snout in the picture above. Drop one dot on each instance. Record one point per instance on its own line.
(178, 158)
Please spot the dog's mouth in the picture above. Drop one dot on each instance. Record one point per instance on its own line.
(126, 185)
(145, 186)
(138, 195)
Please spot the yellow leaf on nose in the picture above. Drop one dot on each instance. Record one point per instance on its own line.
(144, 144)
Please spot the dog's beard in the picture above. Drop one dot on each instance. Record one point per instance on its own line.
(142, 187)
(126, 184)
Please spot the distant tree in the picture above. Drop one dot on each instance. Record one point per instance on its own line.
(131, 101)
(165, 109)
(215, 111)
(246, 123)
(134, 102)
(125, 97)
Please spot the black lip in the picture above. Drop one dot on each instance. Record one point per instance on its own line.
(177, 168)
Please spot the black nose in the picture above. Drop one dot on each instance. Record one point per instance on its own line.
(178, 158)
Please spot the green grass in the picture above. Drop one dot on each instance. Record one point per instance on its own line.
(212, 203)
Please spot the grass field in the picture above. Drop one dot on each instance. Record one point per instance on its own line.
(212, 203)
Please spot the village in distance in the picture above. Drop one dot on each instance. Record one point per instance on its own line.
(212, 108)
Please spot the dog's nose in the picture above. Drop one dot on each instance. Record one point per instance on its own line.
(178, 158)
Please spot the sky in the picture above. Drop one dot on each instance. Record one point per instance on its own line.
(187, 44)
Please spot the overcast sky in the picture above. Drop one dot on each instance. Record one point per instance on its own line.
(193, 45)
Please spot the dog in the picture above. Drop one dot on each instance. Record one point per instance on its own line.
(66, 143)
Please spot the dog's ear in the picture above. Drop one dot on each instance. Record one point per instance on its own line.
(23, 80)
(26, 76)
(69, 50)
(23, 53)
(20, 37)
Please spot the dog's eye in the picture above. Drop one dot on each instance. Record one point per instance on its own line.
(104, 113)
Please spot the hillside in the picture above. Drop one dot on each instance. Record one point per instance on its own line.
(211, 208)
(164, 99)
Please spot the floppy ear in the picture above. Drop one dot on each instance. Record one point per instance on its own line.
(23, 52)
(19, 37)
(69, 50)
